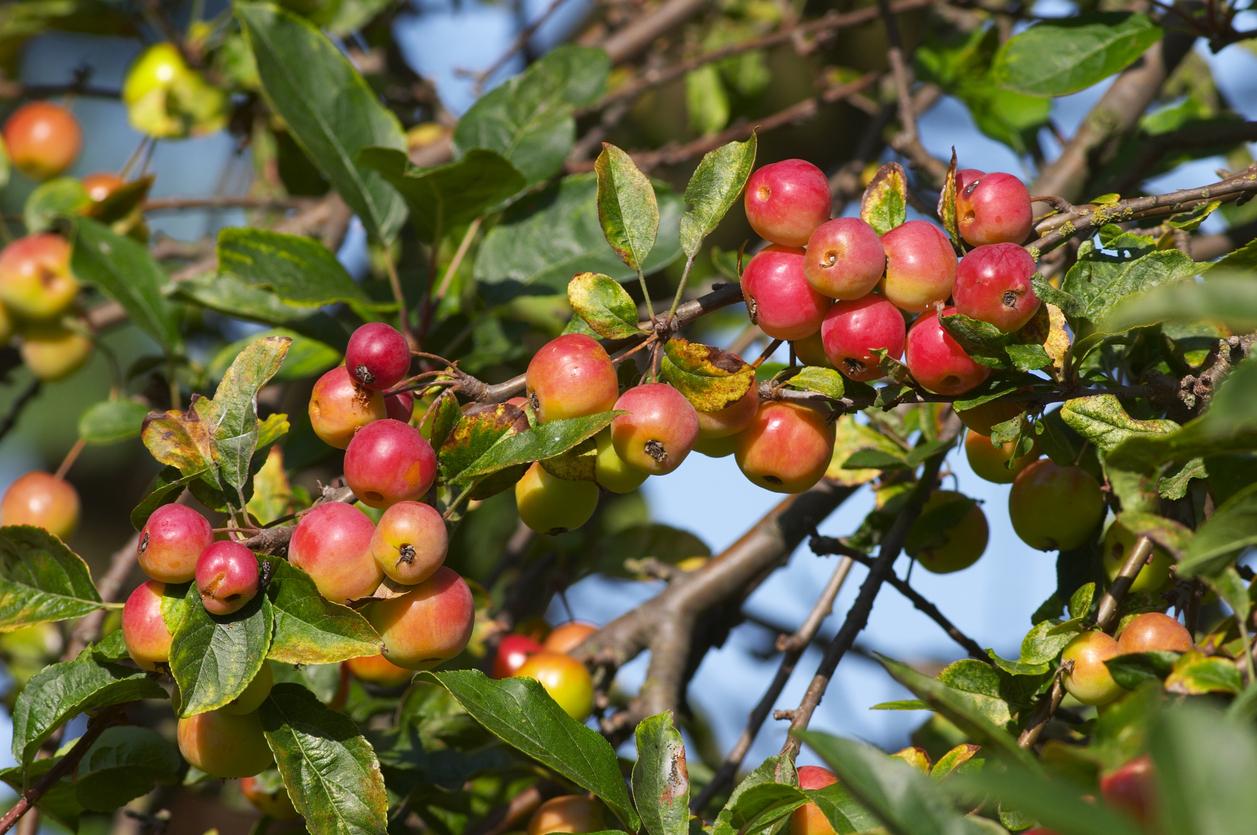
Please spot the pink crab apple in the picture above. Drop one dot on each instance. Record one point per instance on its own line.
(52, 351)
(410, 542)
(376, 669)
(1089, 680)
(224, 745)
(568, 813)
(1054, 507)
(787, 448)
(43, 139)
(937, 361)
(43, 500)
(1131, 787)
(853, 330)
(339, 407)
(429, 624)
(786, 200)
(276, 804)
(845, 258)
(513, 650)
(144, 630)
(809, 819)
(388, 462)
(778, 295)
(35, 277)
(658, 429)
(400, 406)
(377, 356)
(1154, 632)
(226, 577)
(730, 420)
(332, 543)
(170, 543)
(571, 376)
(992, 208)
(993, 284)
(920, 266)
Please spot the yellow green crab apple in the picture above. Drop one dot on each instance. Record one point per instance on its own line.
(52, 351)
(990, 461)
(568, 636)
(274, 804)
(611, 471)
(376, 669)
(166, 99)
(845, 259)
(410, 542)
(1054, 507)
(716, 447)
(224, 745)
(430, 623)
(786, 200)
(810, 350)
(808, 819)
(853, 330)
(992, 208)
(339, 407)
(1088, 679)
(1154, 632)
(144, 630)
(787, 448)
(571, 376)
(43, 139)
(730, 420)
(387, 462)
(332, 543)
(936, 360)
(226, 577)
(253, 696)
(566, 680)
(43, 500)
(574, 813)
(656, 431)
(35, 277)
(171, 542)
(778, 296)
(1131, 787)
(377, 356)
(993, 285)
(957, 546)
(1118, 542)
(920, 266)
(983, 417)
(549, 504)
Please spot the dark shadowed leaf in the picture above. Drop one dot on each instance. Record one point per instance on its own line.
(111, 421)
(1204, 764)
(123, 764)
(299, 271)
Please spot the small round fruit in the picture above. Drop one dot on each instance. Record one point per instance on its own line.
(845, 259)
(778, 296)
(400, 406)
(569, 813)
(35, 277)
(571, 376)
(42, 500)
(730, 420)
(102, 184)
(171, 542)
(950, 534)
(224, 745)
(936, 360)
(254, 694)
(53, 352)
(993, 208)
(513, 650)
(991, 461)
(565, 679)
(377, 356)
(388, 462)
(276, 804)
(1054, 507)
(410, 542)
(658, 429)
(786, 200)
(568, 636)
(376, 669)
(339, 407)
(716, 447)
(853, 330)
(43, 139)
(144, 630)
(788, 447)
(429, 624)
(1154, 632)
(611, 471)
(808, 819)
(332, 543)
(1089, 680)
(920, 266)
(1117, 545)
(166, 99)
(982, 419)
(810, 350)
(226, 577)
(549, 504)
(993, 285)
(1131, 787)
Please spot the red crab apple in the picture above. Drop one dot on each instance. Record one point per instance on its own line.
(787, 448)
(144, 630)
(1131, 787)
(513, 650)
(571, 376)
(853, 330)
(274, 804)
(1089, 680)
(552, 505)
(565, 679)
(993, 284)
(376, 669)
(936, 360)
(52, 351)
(658, 429)
(170, 543)
(332, 543)
(1154, 632)
(786, 200)
(990, 461)
(339, 407)
(992, 208)
(43, 139)
(226, 577)
(568, 636)
(224, 745)
(778, 295)
(845, 259)
(387, 462)
(808, 819)
(429, 624)
(410, 542)
(920, 266)
(950, 534)
(1054, 507)
(377, 356)
(35, 277)
(42, 500)
(400, 406)
(568, 813)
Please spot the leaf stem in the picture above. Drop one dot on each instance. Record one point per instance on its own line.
(685, 275)
(395, 285)
(641, 280)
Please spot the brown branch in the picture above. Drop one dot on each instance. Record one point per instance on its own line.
(645, 31)
(1152, 148)
(518, 45)
(225, 201)
(908, 141)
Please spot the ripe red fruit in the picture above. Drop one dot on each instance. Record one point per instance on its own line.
(513, 650)
(565, 679)
(400, 406)
(658, 429)
(953, 541)
(226, 577)
(43, 139)
(1131, 787)
(778, 296)
(274, 804)
(993, 284)
(339, 407)
(1154, 632)
(992, 208)
(852, 330)
(1089, 680)
(786, 200)
(35, 277)
(936, 359)
(410, 542)
(42, 500)
(144, 630)
(730, 420)
(173, 538)
(569, 813)
(224, 745)
(809, 819)
(102, 184)
(845, 259)
(429, 624)
(568, 636)
(787, 448)
(571, 376)
(332, 543)
(376, 669)
(377, 356)
(920, 266)
(1054, 507)
(388, 462)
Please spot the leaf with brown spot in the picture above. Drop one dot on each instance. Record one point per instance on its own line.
(577, 464)
(604, 305)
(710, 378)
(661, 781)
(181, 439)
(947, 202)
(478, 428)
(885, 202)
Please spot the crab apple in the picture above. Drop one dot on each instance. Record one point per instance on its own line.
(732, 419)
(845, 259)
(376, 669)
(410, 542)
(853, 330)
(611, 471)
(786, 200)
(1131, 787)
(254, 694)
(658, 429)
(549, 504)
(993, 284)
(1154, 632)
(956, 537)
(569, 813)
(810, 350)
(565, 679)
(936, 360)
(788, 447)
(990, 461)
(992, 208)
(144, 630)
(716, 447)
(102, 184)
(778, 296)
(339, 407)
(808, 819)
(982, 418)
(1054, 507)
(429, 624)
(223, 744)
(377, 356)
(1089, 680)
(35, 277)
(52, 351)
(168, 100)
(274, 804)
(920, 266)
(332, 543)
(388, 462)
(43, 500)
(1118, 542)
(43, 139)
(568, 636)
(170, 543)
(226, 577)
(571, 376)
(513, 650)
(400, 406)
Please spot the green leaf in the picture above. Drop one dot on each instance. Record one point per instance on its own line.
(1195, 674)
(710, 378)
(41, 580)
(713, 188)
(123, 764)
(826, 381)
(842, 810)
(627, 208)
(661, 782)
(272, 492)
(604, 305)
(545, 440)
(1103, 421)
(1204, 763)
(1047, 638)
(238, 298)
(299, 271)
(760, 807)
(520, 713)
(1059, 57)
(330, 770)
(474, 433)
(1098, 281)
(124, 271)
(987, 345)
(306, 357)
(885, 202)
(213, 659)
(58, 803)
(328, 109)
(1224, 297)
(63, 197)
(771, 775)
(1132, 669)
(232, 413)
(706, 100)
(617, 550)
(310, 629)
(111, 421)
(166, 488)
